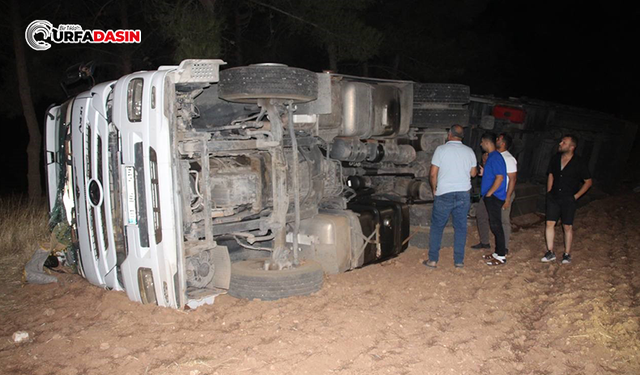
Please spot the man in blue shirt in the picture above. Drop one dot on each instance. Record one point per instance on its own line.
(494, 193)
(452, 166)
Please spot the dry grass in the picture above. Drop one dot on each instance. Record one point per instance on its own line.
(23, 224)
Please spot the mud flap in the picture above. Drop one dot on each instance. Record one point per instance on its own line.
(222, 265)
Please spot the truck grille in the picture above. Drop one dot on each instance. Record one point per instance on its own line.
(101, 207)
(155, 194)
(143, 221)
(115, 192)
(88, 158)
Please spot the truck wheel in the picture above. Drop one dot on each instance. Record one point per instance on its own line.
(250, 280)
(440, 93)
(247, 84)
(439, 118)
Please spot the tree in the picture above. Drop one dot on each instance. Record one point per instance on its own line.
(24, 89)
(433, 40)
(193, 27)
(337, 26)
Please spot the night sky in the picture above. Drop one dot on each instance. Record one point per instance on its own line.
(561, 51)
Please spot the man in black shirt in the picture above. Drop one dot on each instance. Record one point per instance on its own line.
(568, 180)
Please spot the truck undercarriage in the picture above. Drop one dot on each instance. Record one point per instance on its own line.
(274, 160)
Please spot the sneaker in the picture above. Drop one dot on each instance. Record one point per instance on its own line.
(459, 265)
(496, 260)
(481, 245)
(429, 263)
(566, 258)
(550, 256)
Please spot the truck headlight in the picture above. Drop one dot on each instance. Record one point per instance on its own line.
(146, 286)
(134, 100)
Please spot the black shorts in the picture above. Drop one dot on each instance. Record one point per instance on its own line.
(561, 208)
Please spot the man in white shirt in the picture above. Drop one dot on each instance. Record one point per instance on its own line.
(503, 143)
(452, 166)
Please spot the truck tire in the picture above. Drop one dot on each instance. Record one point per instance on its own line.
(440, 93)
(439, 118)
(250, 280)
(247, 84)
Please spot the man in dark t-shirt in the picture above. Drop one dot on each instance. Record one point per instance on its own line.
(568, 180)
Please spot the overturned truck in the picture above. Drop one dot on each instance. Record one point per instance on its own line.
(187, 182)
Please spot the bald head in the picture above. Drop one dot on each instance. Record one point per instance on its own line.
(456, 133)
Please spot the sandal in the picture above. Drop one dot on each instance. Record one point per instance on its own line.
(496, 262)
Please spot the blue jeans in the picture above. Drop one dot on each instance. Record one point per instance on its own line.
(454, 204)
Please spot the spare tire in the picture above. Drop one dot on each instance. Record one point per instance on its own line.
(247, 84)
(440, 93)
(439, 118)
(250, 280)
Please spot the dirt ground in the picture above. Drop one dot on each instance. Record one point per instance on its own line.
(396, 317)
